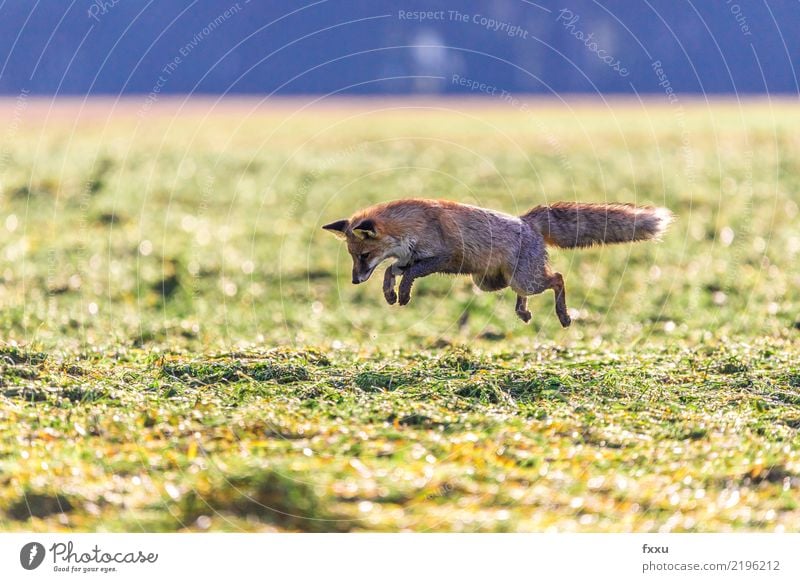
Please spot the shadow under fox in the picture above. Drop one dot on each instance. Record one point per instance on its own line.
(498, 250)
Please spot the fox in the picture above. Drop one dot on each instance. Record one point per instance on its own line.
(496, 249)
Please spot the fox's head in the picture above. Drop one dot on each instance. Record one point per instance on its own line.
(367, 244)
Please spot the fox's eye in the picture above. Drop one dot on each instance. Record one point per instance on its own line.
(363, 256)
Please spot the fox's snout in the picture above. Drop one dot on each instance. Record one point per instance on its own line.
(363, 266)
(361, 275)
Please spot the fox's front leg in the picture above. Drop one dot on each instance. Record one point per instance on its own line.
(421, 268)
(388, 285)
(389, 278)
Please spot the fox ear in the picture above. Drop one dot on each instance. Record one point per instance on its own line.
(338, 228)
(365, 229)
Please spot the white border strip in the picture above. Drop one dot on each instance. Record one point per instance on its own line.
(403, 557)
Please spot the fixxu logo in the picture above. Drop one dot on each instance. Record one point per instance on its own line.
(31, 555)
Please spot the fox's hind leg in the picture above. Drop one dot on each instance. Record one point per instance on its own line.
(535, 282)
(533, 275)
(557, 285)
(522, 308)
(552, 281)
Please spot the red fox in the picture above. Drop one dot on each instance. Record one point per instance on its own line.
(498, 250)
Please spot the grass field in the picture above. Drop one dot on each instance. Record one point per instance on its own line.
(182, 349)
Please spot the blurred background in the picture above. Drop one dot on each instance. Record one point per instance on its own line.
(85, 47)
(165, 167)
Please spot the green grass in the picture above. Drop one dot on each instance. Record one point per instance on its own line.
(182, 349)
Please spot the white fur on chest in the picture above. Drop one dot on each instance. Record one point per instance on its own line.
(402, 250)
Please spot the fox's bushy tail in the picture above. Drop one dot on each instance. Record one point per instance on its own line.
(573, 224)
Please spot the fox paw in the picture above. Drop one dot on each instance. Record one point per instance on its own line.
(566, 320)
(391, 297)
(404, 298)
(525, 316)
